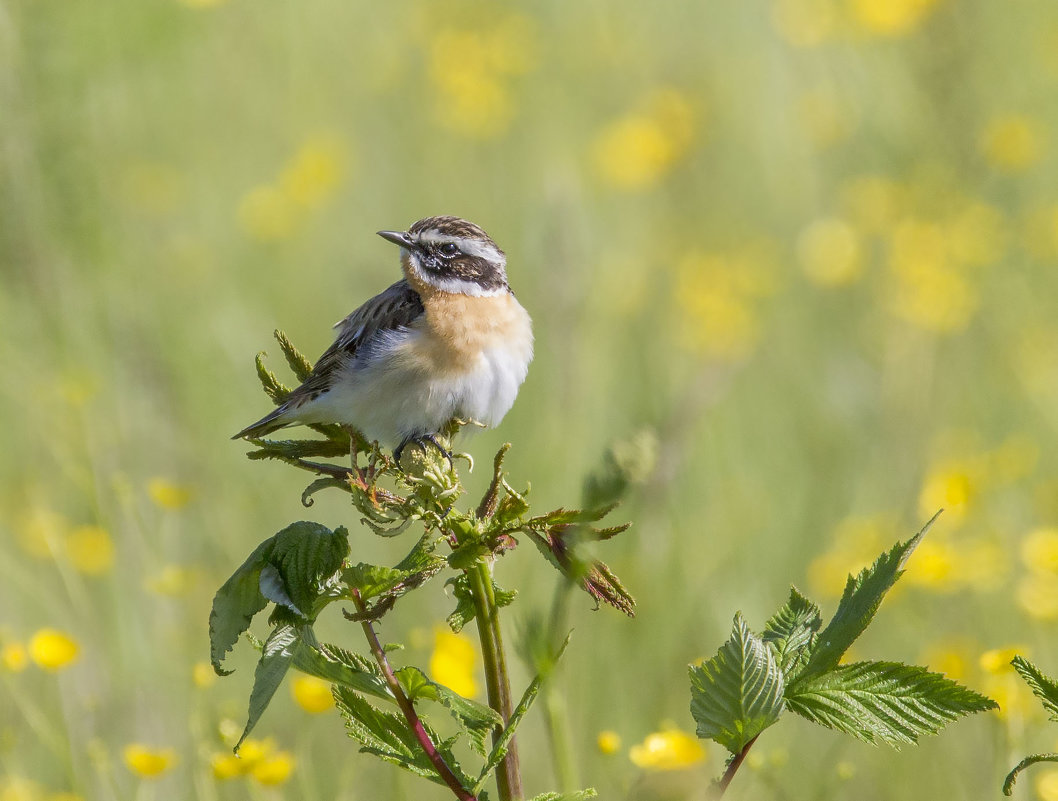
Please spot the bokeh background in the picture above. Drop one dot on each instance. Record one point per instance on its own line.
(800, 257)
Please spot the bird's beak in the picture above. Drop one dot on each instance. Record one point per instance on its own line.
(398, 238)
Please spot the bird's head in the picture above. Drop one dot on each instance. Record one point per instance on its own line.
(451, 255)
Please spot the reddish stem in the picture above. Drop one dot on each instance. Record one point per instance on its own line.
(408, 709)
(736, 761)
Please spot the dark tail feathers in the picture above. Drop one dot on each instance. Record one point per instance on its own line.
(266, 425)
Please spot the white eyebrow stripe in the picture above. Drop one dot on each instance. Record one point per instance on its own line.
(472, 247)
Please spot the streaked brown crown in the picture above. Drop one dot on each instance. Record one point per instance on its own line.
(456, 255)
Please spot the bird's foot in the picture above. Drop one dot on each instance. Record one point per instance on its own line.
(420, 442)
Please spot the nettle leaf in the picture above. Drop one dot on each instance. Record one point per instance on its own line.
(739, 692)
(279, 650)
(790, 632)
(1008, 783)
(372, 580)
(568, 517)
(305, 555)
(476, 719)
(886, 701)
(273, 387)
(236, 603)
(859, 603)
(387, 736)
(338, 666)
(299, 365)
(465, 610)
(1043, 686)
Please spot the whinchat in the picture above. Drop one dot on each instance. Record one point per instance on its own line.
(447, 341)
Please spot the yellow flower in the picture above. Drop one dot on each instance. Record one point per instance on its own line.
(315, 172)
(951, 658)
(1012, 143)
(668, 749)
(830, 253)
(225, 765)
(90, 549)
(1037, 595)
(253, 751)
(52, 650)
(1016, 701)
(453, 662)
(890, 17)
(857, 543)
(933, 566)
(481, 108)
(951, 486)
(845, 770)
(638, 149)
(13, 657)
(167, 494)
(1039, 550)
(16, 788)
(274, 769)
(1046, 784)
(312, 694)
(147, 762)
(172, 580)
(805, 23)
(608, 742)
(997, 660)
(203, 675)
(268, 214)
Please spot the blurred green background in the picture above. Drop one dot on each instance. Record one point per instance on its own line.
(804, 252)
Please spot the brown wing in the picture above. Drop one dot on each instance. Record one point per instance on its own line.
(397, 307)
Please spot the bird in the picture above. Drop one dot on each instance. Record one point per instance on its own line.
(449, 340)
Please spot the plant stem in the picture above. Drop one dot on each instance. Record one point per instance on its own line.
(736, 761)
(408, 708)
(497, 680)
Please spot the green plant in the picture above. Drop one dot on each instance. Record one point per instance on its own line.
(305, 568)
(1046, 689)
(795, 664)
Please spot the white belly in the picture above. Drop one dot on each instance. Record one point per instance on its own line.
(390, 400)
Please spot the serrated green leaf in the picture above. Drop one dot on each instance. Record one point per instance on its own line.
(299, 365)
(790, 633)
(273, 387)
(1008, 783)
(278, 652)
(511, 507)
(466, 556)
(476, 719)
(387, 736)
(306, 554)
(859, 603)
(236, 603)
(465, 609)
(338, 666)
(569, 517)
(886, 701)
(1043, 686)
(372, 580)
(298, 449)
(739, 692)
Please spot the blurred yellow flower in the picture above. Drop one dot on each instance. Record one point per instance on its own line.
(933, 566)
(17, 788)
(52, 650)
(90, 549)
(203, 675)
(312, 694)
(805, 23)
(638, 149)
(1045, 783)
(608, 742)
(845, 770)
(951, 486)
(830, 253)
(225, 765)
(147, 762)
(951, 658)
(13, 657)
(274, 769)
(890, 17)
(1012, 143)
(453, 662)
(668, 749)
(253, 751)
(314, 173)
(481, 108)
(167, 494)
(857, 541)
(1016, 701)
(997, 660)
(267, 214)
(1039, 550)
(1037, 595)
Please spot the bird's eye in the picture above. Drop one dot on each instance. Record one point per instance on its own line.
(449, 249)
